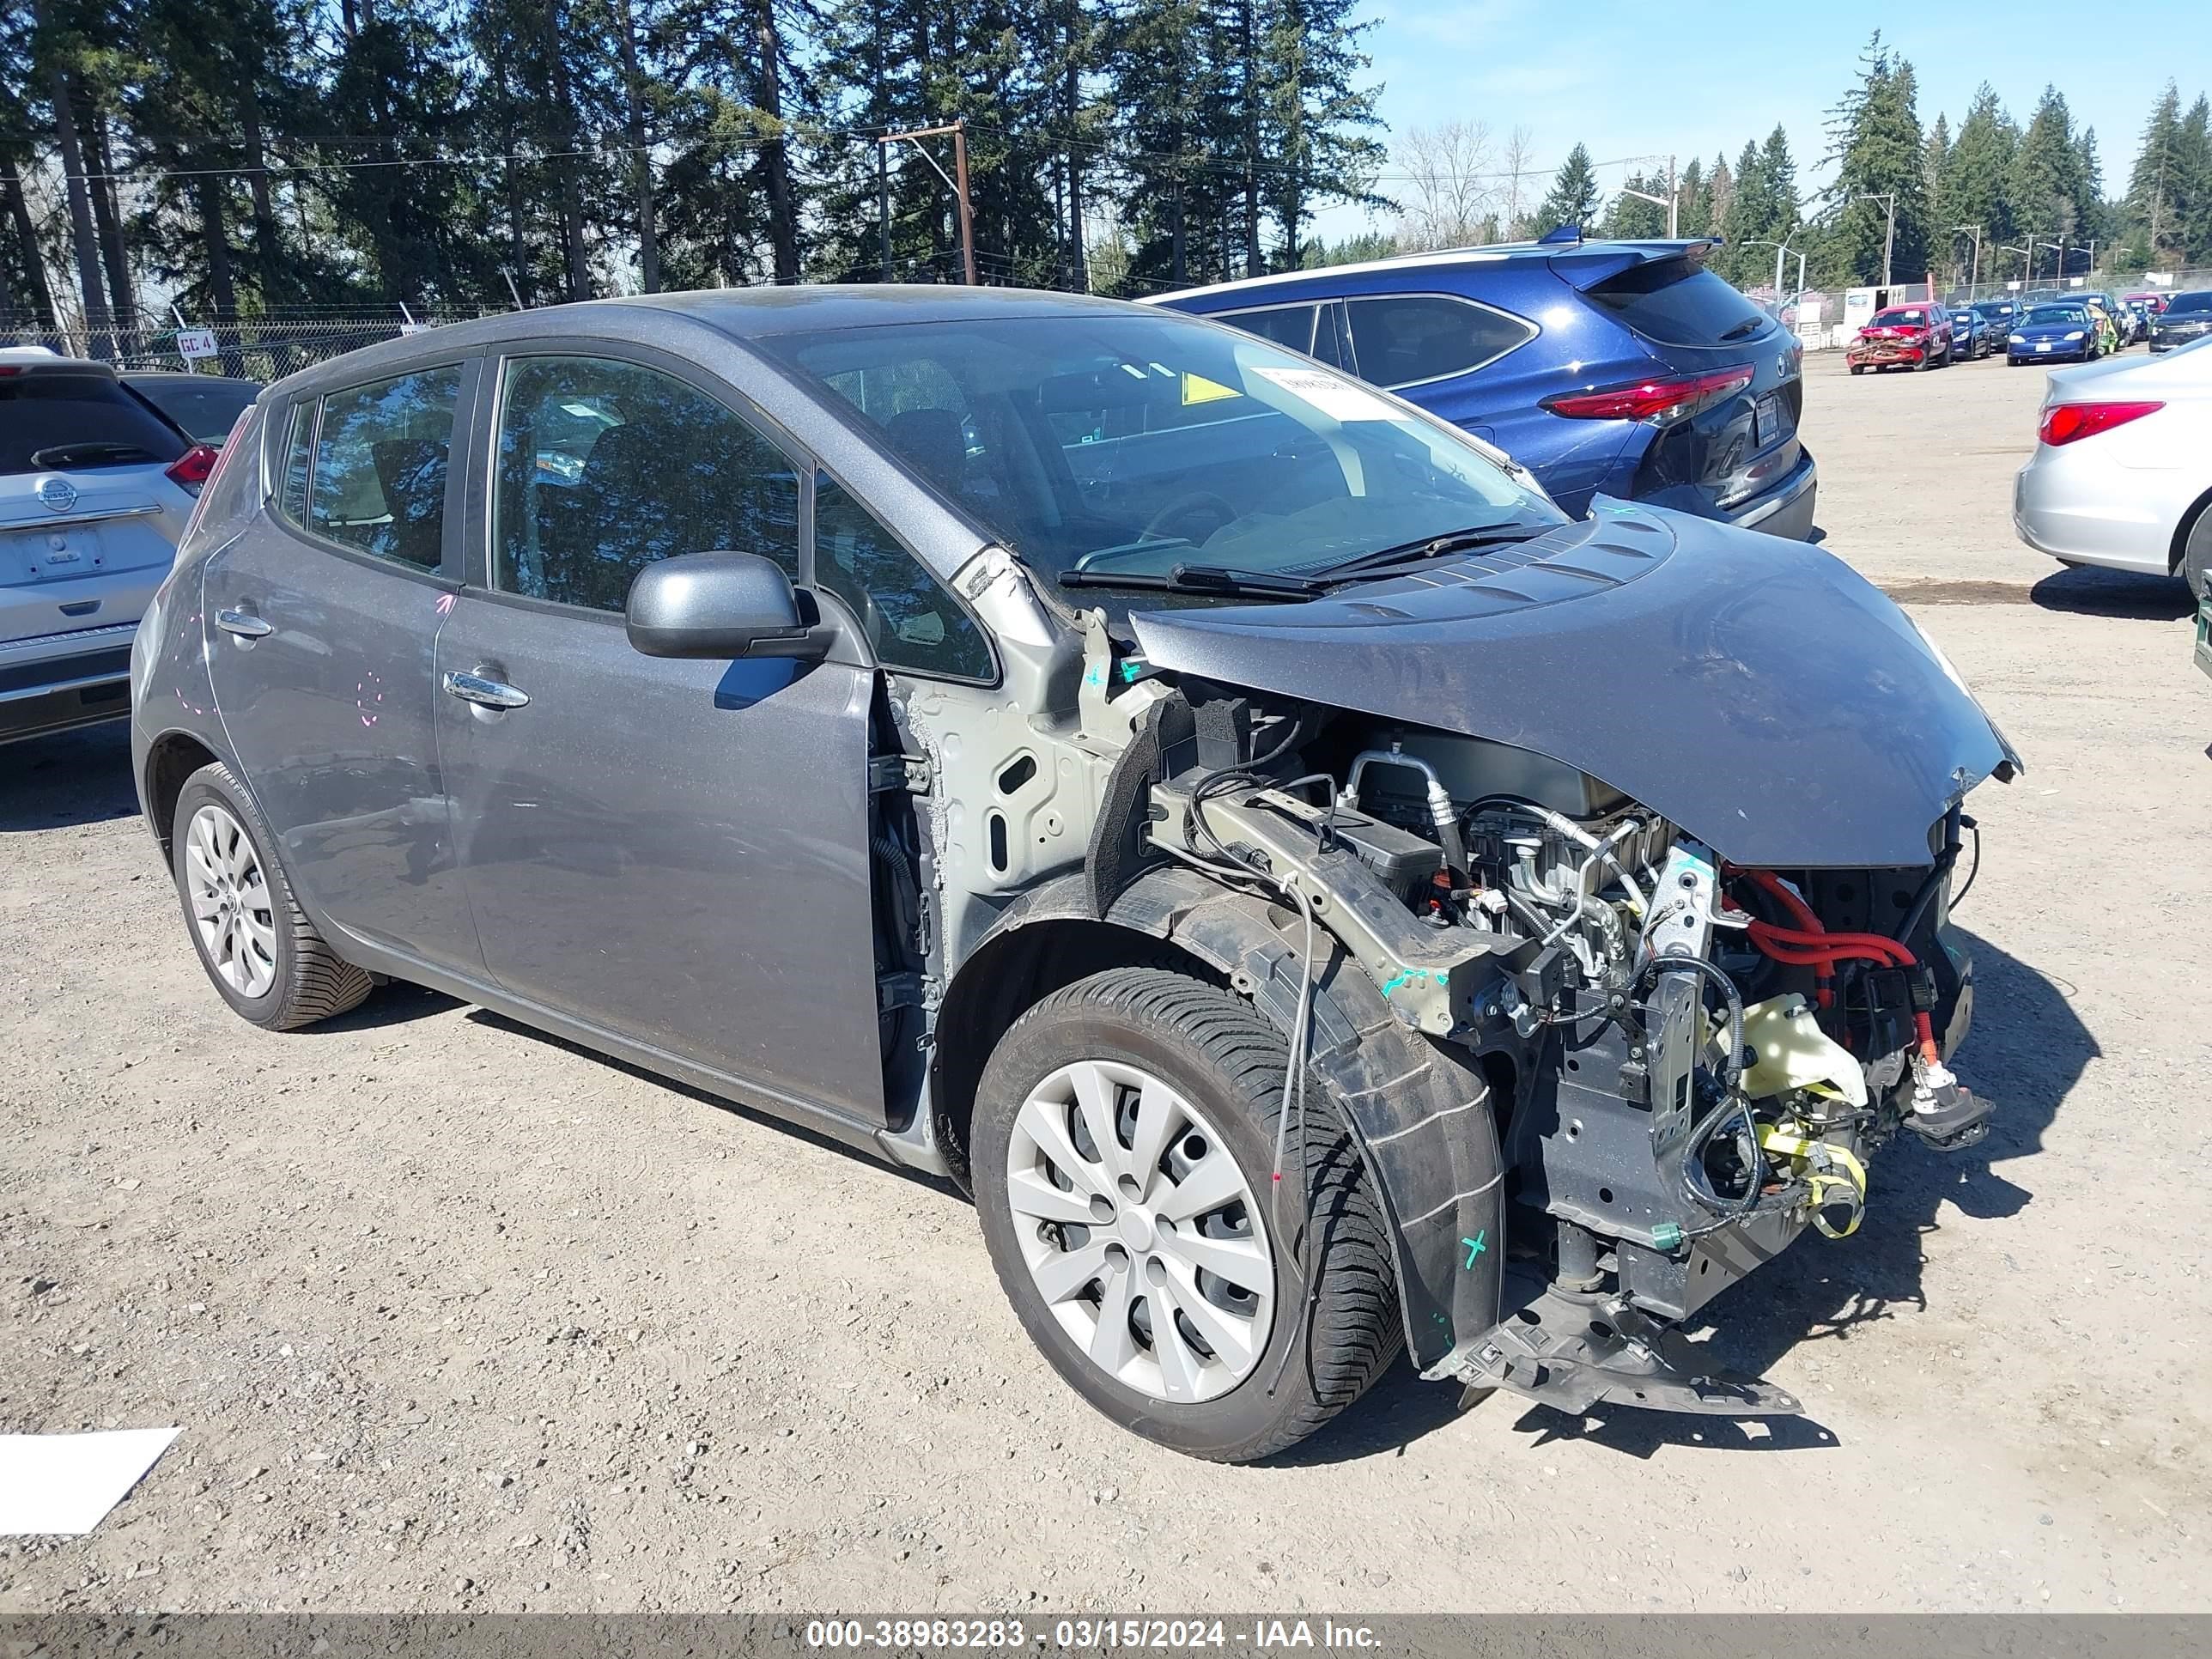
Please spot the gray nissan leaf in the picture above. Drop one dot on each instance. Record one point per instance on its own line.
(1317, 896)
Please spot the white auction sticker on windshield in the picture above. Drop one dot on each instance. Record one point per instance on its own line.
(1334, 396)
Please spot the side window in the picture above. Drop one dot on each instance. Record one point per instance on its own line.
(378, 479)
(606, 467)
(299, 456)
(911, 620)
(1403, 339)
(1286, 325)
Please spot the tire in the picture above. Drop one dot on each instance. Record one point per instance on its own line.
(2196, 566)
(1220, 1066)
(1859, 369)
(261, 953)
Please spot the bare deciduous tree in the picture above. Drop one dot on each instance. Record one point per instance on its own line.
(1449, 184)
(1520, 169)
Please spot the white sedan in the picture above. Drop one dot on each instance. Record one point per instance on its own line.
(2122, 472)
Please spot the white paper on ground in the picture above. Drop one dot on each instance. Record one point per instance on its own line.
(1334, 396)
(65, 1483)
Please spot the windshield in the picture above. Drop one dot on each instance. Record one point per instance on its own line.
(2201, 301)
(2056, 314)
(1133, 444)
(206, 405)
(1899, 319)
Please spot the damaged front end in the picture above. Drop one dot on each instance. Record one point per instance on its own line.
(1592, 817)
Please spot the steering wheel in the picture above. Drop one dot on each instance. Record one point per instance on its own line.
(1190, 518)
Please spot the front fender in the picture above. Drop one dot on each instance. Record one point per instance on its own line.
(1419, 1112)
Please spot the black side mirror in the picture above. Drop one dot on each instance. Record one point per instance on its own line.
(719, 605)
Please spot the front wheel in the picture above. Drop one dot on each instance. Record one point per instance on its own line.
(1123, 1146)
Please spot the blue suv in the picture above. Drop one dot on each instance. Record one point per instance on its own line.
(1621, 369)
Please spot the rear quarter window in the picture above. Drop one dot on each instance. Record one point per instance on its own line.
(1404, 339)
(62, 422)
(1678, 301)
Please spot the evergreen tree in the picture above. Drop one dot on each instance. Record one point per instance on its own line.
(2153, 227)
(1574, 195)
(1749, 207)
(2048, 185)
(1977, 176)
(1695, 218)
(2193, 196)
(1319, 118)
(1875, 141)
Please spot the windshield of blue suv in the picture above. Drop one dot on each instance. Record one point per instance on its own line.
(1098, 448)
(2054, 314)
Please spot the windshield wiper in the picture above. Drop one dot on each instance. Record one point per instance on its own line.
(1748, 325)
(1432, 547)
(1201, 578)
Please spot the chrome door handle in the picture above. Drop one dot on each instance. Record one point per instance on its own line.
(485, 693)
(244, 624)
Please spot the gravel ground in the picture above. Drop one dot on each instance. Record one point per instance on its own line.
(453, 1315)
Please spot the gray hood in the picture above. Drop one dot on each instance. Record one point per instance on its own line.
(1754, 690)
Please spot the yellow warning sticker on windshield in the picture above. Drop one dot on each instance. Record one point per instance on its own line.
(1197, 389)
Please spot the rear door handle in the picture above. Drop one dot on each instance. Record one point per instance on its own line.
(244, 624)
(485, 693)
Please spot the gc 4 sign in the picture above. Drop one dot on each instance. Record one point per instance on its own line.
(194, 343)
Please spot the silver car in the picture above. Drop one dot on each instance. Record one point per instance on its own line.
(96, 486)
(1316, 895)
(2122, 472)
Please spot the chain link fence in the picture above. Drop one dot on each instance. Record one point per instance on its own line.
(264, 349)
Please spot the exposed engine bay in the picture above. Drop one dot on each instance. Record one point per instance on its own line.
(1701, 1059)
(1689, 1062)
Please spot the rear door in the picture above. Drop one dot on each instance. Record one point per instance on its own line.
(89, 523)
(322, 619)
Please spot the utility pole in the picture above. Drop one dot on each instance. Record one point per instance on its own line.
(958, 131)
(1889, 233)
(884, 205)
(1974, 282)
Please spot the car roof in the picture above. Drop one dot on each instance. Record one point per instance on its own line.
(1492, 253)
(741, 313)
(21, 358)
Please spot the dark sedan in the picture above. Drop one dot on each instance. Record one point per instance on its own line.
(2051, 331)
(2187, 317)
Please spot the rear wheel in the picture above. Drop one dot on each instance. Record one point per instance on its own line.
(260, 952)
(1124, 1142)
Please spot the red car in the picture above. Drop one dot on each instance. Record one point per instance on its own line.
(1916, 336)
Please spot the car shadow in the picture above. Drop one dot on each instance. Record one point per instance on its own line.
(71, 779)
(2027, 1051)
(2136, 596)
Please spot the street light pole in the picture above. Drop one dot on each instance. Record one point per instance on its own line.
(1672, 201)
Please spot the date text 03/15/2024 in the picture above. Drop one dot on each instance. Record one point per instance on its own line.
(1260, 1635)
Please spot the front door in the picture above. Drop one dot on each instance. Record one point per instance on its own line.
(674, 852)
(321, 621)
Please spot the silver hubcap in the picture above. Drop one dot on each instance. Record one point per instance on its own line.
(230, 902)
(1140, 1232)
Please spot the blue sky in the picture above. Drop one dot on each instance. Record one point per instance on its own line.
(1649, 78)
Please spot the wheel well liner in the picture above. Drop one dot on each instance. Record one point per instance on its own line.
(1421, 1112)
(173, 757)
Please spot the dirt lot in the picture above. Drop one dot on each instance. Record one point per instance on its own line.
(454, 1316)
